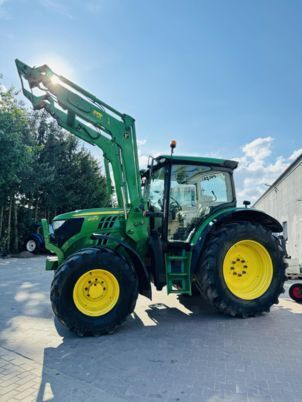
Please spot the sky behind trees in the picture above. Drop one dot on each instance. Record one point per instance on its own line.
(223, 78)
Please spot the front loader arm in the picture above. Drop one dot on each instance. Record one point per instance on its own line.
(92, 120)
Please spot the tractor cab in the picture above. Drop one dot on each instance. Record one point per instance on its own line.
(183, 191)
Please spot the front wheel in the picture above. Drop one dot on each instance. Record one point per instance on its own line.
(94, 291)
(242, 270)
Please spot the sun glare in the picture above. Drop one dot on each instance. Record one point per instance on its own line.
(58, 65)
(55, 80)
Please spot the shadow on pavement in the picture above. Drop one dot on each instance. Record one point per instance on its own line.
(125, 363)
(163, 346)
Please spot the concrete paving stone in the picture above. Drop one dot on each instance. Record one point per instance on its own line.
(28, 393)
(7, 381)
(23, 378)
(235, 397)
(28, 385)
(260, 398)
(7, 389)
(9, 397)
(7, 358)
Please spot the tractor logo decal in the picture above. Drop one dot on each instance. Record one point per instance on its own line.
(97, 114)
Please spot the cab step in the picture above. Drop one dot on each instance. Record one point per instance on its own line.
(178, 272)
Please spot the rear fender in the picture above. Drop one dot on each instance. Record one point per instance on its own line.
(137, 262)
(228, 216)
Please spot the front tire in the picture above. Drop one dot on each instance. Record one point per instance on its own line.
(94, 291)
(242, 271)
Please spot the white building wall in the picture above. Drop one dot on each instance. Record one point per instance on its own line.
(284, 202)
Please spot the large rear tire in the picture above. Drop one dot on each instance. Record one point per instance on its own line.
(242, 270)
(94, 291)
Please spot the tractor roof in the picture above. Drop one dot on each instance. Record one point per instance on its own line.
(204, 161)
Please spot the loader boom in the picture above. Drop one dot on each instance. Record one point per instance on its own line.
(93, 121)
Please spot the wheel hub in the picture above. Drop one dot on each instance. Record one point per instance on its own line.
(247, 269)
(96, 292)
(239, 266)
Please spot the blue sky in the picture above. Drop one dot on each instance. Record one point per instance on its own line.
(223, 78)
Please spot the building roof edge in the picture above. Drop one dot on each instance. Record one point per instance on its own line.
(286, 171)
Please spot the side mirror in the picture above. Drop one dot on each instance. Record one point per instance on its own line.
(246, 203)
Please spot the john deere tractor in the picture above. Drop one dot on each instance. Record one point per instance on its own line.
(175, 224)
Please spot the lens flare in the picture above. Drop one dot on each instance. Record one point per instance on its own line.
(55, 79)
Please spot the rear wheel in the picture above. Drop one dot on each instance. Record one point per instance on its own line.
(242, 269)
(94, 291)
(295, 292)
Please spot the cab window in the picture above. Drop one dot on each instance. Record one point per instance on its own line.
(194, 191)
(155, 189)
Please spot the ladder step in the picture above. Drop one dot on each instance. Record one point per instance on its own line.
(177, 258)
(187, 292)
(178, 273)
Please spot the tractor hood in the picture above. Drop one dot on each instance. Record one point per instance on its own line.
(82, 213)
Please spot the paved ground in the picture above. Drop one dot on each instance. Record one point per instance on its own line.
(165, 352)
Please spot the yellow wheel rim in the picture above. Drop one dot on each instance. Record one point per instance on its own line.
(96, 292)
(248, 269)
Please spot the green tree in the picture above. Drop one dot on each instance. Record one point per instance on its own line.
(43, 171)
(15, 159)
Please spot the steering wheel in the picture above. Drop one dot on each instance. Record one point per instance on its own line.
(174, 207)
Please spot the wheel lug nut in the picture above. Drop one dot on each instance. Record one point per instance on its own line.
(238, 259)
(244, 272)
(234, 273)
(243, 261)
(244, 266)
(232, 268)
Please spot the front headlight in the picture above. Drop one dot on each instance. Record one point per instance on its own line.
(65, 229)
(57, 224)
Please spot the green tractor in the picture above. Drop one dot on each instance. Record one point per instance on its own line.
(174, 224)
